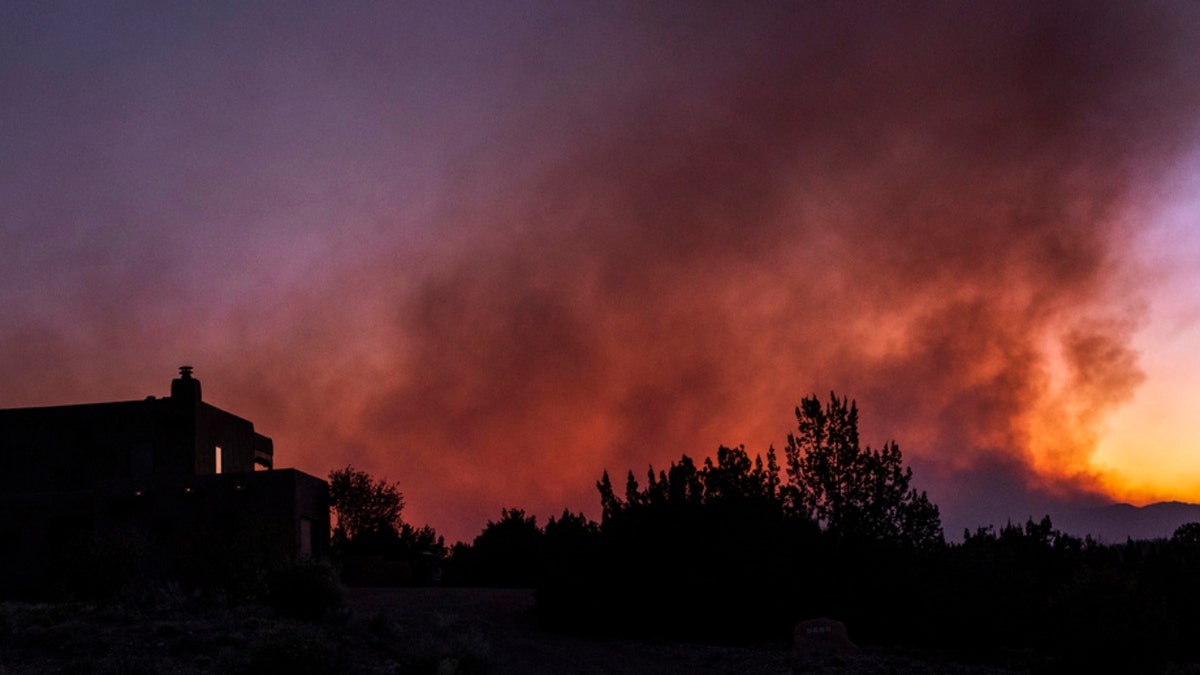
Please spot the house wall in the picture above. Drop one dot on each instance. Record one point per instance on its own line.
(76, 446)
(241, 447)
(131, 488)
(73, 447)
(196, 531)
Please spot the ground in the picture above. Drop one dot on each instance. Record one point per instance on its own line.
(501, 623)
(447, 631)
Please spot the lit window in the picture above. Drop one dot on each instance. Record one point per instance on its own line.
(218, 459)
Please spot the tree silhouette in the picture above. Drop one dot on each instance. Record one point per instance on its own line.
(368, 517)
(733, 476)
(723, 550)
(1187, 534)
(506, 553)
(852, 491)
(363, 506)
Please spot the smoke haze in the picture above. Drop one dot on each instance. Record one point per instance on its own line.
(562, 242)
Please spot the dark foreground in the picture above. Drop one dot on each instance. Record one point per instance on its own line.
(413, 630)
(501, 622)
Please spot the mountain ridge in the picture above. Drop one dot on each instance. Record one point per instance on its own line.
(1117, 523)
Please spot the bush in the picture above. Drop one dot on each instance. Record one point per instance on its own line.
(305, 589)
(1105, 623)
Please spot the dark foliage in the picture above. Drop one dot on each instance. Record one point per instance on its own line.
(730, 550)
(363, 507)
(738, 572)
(711, 545)
(507, 554)
(727, 551)
(370, 539)
(304, 589)
(853, 491)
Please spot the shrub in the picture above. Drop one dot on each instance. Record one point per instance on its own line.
(304, 589)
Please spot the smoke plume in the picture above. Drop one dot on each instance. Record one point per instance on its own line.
(678, 221)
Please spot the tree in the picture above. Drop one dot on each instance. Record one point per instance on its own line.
(364, 507)
(422, 539)
(507, 552)
(853, 491)
(734, 477)
(610, 504)
(1187, 534)
(570, 526)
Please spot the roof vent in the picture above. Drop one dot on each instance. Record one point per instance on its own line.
(185, 387)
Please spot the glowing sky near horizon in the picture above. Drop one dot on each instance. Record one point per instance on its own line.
(488, 250)
(1152, 445)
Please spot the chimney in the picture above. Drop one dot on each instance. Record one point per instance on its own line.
(185, 386)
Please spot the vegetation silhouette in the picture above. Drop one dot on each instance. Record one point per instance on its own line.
(504, 555)
(854, 491)
(738, 549)
(371, 543)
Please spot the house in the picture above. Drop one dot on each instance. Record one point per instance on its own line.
(171, 489)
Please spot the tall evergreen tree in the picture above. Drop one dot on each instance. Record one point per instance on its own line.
(850, 490)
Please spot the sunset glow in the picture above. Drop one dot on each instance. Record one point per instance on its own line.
(489, 251)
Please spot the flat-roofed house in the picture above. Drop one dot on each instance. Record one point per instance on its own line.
(160, 488)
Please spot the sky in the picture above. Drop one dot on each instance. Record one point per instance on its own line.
(489, 250)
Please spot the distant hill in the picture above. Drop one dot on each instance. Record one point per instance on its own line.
(1115, 523)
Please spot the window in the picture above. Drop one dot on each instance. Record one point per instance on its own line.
(217, 459)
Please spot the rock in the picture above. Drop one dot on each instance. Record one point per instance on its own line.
(447, 666)
(821, 638)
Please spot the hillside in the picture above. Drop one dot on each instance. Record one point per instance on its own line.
(1117, 522)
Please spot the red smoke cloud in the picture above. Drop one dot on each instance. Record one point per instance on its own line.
(924, 212)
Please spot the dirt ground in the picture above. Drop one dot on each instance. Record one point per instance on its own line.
(433, 631)
(500, 624)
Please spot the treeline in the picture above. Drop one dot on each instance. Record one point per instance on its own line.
(740, 549)
(747, 574)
